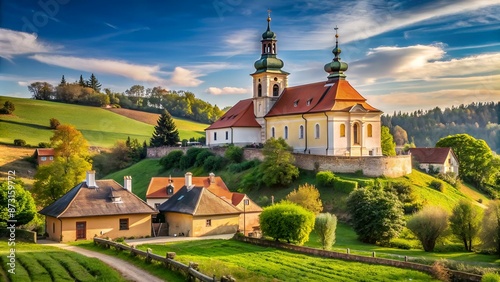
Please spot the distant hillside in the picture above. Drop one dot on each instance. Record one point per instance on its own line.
(480, 120)
(30, 121)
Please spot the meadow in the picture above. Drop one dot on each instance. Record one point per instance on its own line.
(42, 263)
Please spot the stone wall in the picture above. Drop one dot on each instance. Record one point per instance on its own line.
(372, 166)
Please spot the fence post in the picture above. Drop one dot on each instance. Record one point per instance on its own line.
(348, 251)
(406, 258)
(373, 254)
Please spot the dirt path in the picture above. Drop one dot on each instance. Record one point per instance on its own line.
(127, 270)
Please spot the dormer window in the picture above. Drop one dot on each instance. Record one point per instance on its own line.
(296, 103)
(309, 102)
(170, 190)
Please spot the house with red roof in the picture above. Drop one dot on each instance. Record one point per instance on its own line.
(44, 155)
(323, 118)
(442, 160)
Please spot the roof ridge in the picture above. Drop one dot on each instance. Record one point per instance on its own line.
(198, 200)
(72, 199)
(142, 201)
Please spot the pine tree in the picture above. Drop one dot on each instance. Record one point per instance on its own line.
(94, 83)
(81, 82)
(165, 133)
(63, 81)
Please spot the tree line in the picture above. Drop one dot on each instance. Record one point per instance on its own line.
(181, 103)
(425, 128)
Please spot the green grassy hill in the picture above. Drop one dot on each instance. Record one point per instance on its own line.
(99, 126)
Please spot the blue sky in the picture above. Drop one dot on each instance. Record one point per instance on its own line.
(402, 55)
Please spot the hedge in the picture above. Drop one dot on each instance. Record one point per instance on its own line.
(346, 186)
(21, 235)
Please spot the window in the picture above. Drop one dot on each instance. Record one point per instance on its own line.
(276, 90)
(157, 205)
(227, 135)
(316, 131)
(355, 129)
(301, 132)
(296, 103)
(273, 132)
(369, 129)
(342, 130)
(259, 90)
(53, 227)
(123, 223)
(215, 135)
(209, 222)
(309, 102)
(51, 158)
(286, 132)
(44, 159)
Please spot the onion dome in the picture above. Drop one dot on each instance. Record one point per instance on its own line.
(268, 34)
(336, 68)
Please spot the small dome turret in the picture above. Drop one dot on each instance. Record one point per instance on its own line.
(336, 68)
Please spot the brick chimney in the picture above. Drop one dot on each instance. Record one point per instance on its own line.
(127, 183)
(188, 179)
(90, 179)
(211, 176)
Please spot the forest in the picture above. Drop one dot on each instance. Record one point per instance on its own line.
(425, 128)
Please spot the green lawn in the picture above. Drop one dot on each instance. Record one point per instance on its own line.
(247, 262)
(42, 263)
(99, 126)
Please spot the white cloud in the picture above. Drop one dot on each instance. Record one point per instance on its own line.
(238, 42)
(23, 83)
(14, 43)
(184, 77)
(226, 90)
(114, 67)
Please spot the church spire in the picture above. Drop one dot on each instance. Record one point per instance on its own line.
(336, 68)
(268, 60)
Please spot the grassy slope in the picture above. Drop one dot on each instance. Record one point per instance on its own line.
(99, 126)
(45, 263)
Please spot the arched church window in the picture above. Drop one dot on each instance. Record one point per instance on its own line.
(286, 132)
(316, 131)
(301, 132)
(342, 130)
(273, 132)
(274, 48)
(355, 130)
(370, 131)
(276, 90)
(259, 90)
(269, 48)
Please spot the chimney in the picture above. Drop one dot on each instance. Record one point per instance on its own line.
(211, 176)
(188, 179)
(127, 183)
(90, 179)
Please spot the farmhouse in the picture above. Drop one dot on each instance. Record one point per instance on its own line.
(204, 206)
(100, 208)
(44, 155)
(438, 159)
(323, 118)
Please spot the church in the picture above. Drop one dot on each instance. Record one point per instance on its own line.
(323, 118)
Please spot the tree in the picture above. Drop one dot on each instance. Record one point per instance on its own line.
(428, 225)
(400, 135)
(234, 154)
(68, 169)
(490, 229)
(325, 226)
(306, 196)
(63, 81)
(165, 133)
(135, 91)
(277, 167)
(387, 142)
(465, 223)
(54, 123)
(287, 221)
(377, 215)
(474, 156)
(25, 208)
(41, 90)
(82, 82)
(94, 83)
(8, 108)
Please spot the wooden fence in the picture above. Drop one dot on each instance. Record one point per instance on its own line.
(190, 271)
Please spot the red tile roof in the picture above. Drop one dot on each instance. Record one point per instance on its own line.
(158, 186)
(240, 115)
(43, 152)
(431, 155)
(319, 97)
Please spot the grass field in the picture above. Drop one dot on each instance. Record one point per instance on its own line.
(12, 158)
(99, 126)
(45, 263)
(248, 262)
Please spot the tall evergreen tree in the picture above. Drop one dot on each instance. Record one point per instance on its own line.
(81, 82)
(94, 83)
(165, 133)
(63, 81)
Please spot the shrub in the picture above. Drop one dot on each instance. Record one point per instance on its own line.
(306, 196)
(428, 225)
(43, 145)
(19, 142)
(172, 160)
(202, 156)
(400, 244)
(263, 200)
(491, 277)
(234, 154)
(287, 221)
(325, 178)
(437, 185)
(54, 123)
(189, 159)
(449, 177)
(439, 271)
(235, 168)
(346, 186)
(325, 226)
(8, 108)
(253, 180)
(213, 163)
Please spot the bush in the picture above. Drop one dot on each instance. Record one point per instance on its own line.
(235, 168)
(189, 158)
(287, 221)
(400, 244)
(449, 177)
(234, 154)
(8, 108)
(252, 181)
(202, 156)
(343, 185)
(325, 178)
(213, 163)
(437, 185)
(439, 271)
(43, 145)
(491, 277)
(306, 196)
(54, 123)
(19, 142)
(428, 225)
(325, 226)
(172, 160)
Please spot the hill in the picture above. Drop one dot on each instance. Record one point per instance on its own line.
(14, 158)
(99, 126)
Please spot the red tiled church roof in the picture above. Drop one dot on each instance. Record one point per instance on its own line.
(319, 97)
(240, 115)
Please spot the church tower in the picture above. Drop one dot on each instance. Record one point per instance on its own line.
(269, 80)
